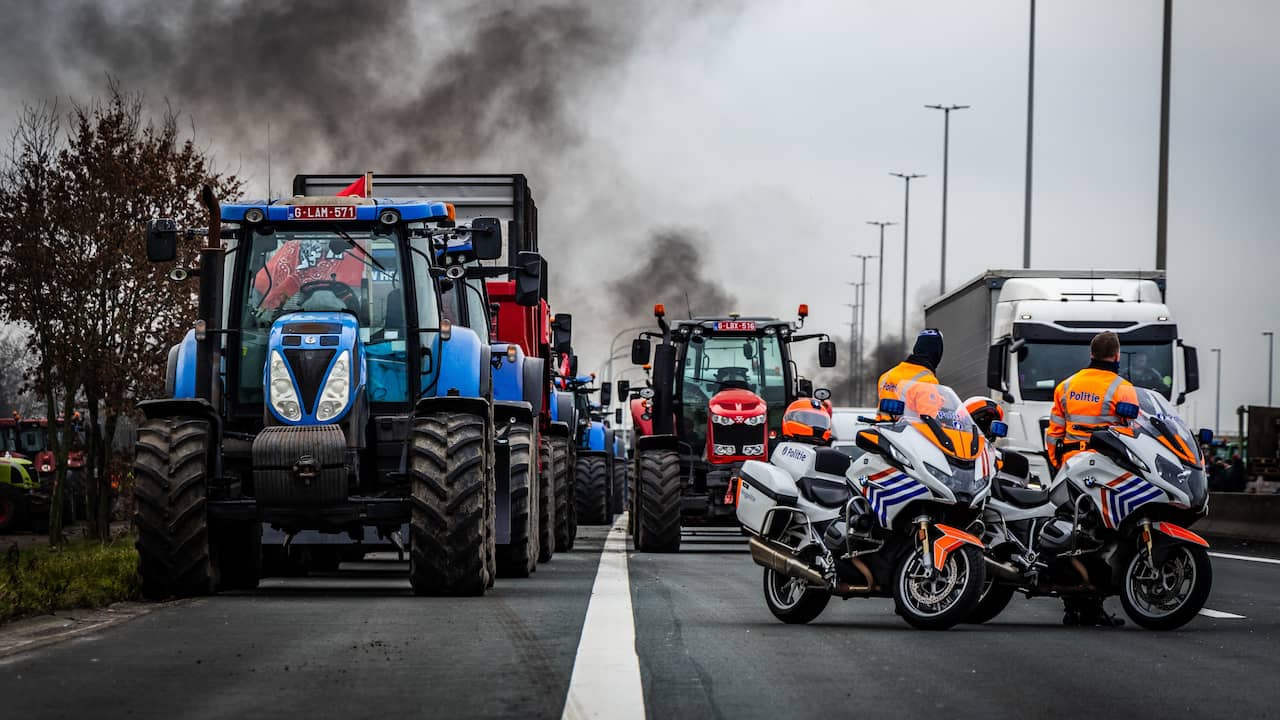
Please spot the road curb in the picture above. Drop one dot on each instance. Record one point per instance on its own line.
(41, 631)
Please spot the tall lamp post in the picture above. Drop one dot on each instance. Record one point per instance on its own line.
(880, 283)
(1217, 394)
(1271, 347)
(906, 232)
(853, 343)
(946, 145)
(1031, 101)
(862, 321)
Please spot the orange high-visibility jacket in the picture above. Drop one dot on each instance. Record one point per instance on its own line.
(1083, 403)
(903, 372)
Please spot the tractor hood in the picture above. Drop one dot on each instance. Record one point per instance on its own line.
(315, 367)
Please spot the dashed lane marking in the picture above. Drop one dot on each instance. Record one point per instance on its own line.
(606, 672)
(1220, 615)
(1249, 558)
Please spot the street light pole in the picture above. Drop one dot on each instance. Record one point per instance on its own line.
(853, 334)
(880, 284)
(1162, 182)
(1217, 395)
(862, 322)
(906, 232)
(1031, 96)
(1271, 347)
(613, 344)
(946, 146)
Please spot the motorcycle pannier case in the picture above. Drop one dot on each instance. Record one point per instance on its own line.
(763, 487)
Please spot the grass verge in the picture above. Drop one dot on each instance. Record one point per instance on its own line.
(83, 574)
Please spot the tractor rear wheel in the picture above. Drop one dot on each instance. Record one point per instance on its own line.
(591, 490)
(236, 552)
(617, 499)
(450, 514)
(565, 528)
(169, 492)
(658, 490)
(519, 558)
(546, 502)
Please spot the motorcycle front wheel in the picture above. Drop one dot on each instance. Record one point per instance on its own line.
(931, 599)
(792, 600)
(1167, 596)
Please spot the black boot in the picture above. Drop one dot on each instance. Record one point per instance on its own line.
(1088, 612)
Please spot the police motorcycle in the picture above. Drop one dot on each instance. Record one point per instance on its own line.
(1112, 522)
(892, 523)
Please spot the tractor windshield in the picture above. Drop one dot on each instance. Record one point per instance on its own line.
(325, 267)
(721, 362)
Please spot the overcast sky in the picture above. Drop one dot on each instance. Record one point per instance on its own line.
(772, 127)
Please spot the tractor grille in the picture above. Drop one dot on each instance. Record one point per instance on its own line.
(308, 369)
(737, 436)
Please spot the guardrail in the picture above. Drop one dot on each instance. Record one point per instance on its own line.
(1243, 516)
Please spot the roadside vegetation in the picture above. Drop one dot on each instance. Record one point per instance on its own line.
(83, 574)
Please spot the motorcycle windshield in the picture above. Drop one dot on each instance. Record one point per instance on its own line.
(939, 415)
(1158, 419)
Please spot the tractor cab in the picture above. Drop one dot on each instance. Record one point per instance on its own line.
(719, 388)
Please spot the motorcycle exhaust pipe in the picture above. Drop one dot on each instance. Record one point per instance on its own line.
(778, 559)
(1005, 570)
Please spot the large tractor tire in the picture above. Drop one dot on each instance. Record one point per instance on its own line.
(591, 490)
(617, 495)
(169, 492)
(565, 527)
(546, 503)
(449, 530)
(236, 551)
(658, 488)
(491, 501)
(519, 558)
(12, 505)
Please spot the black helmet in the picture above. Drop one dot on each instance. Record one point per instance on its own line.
(929, 345)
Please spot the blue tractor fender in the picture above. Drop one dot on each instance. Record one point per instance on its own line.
(518, 381)
(562, 408)
(464, 365)
(595, 437)
(180, 376)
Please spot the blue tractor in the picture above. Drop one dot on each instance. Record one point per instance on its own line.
(320, 389)
(599, 470)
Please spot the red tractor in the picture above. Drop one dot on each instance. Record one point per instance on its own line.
(27, 441)
(718, 391)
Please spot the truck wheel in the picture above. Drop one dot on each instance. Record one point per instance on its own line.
(546, 503)
(616, 498)
(658, 486)
(449, 514)
(591, 490)
(236, 552)
(560, 466)
(169, 493)
(519, 558)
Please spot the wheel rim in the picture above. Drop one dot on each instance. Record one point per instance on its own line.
(1163, 590)
(785, 592)
(933, 593)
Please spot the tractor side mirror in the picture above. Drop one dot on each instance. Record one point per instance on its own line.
(617, 417)
(573, 365)
(640, 351)
(562, 333)
(486, 239)
(804, 387)
(624, 389)
(748, 349)
(827, 354)
(162, 240)
(528, 278)
(606, 394)
(822, 394)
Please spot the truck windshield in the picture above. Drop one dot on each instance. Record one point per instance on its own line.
(1042, 365)
(325, 267)
(727, 361)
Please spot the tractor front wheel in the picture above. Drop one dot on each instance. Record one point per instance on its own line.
(546, 503)
(169, 492)
(591, 490)
(519, 558)
(658, 495)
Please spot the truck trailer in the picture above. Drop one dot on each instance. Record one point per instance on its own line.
(1015, 334)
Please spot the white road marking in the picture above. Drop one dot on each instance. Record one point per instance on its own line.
(1250, 558)
(606, 672)
(1220, 615)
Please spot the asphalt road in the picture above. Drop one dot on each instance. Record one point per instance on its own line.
(357, 644)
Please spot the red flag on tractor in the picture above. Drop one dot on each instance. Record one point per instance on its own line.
(359, 188)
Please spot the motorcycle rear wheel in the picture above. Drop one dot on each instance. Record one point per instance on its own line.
(1174, 594)
(995, 597)
(944, 599)
(791, 600)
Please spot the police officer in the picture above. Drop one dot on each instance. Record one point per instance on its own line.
(1083, 403)
(919, 366)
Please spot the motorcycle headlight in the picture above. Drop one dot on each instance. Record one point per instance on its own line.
(337, 389)
(754, 420)
(721, 419)
(283, 397)
(898, 455)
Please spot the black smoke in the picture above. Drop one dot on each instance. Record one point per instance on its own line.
(673, 272)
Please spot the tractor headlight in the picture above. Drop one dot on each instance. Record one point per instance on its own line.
(754, 420)
(283, 397)
(337, 389)
(757, 449)
(724, 449)
(721, 419)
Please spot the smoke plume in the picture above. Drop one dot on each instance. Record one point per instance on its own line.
(672, 274)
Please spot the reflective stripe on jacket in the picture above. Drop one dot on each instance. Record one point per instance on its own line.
(903, 372)
(1083, 403)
